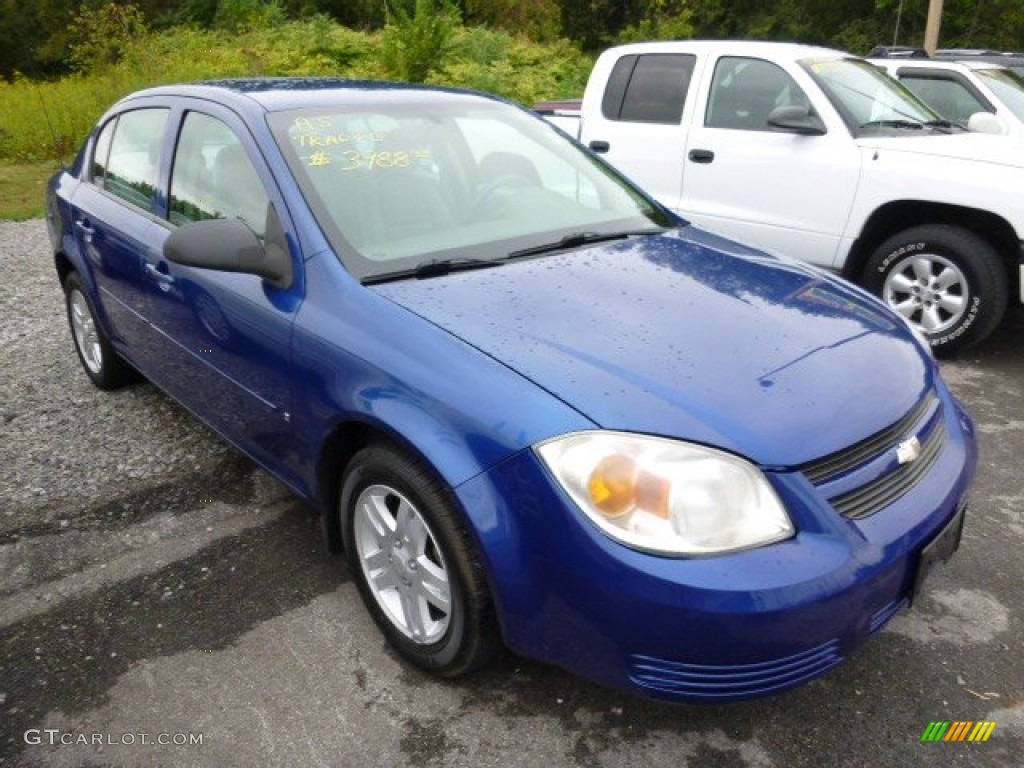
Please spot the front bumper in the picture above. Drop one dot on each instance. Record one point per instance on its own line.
(706, 629)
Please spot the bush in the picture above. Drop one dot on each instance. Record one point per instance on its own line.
(101, 34)
(478, 58)
(414, 41)
(497, 62)
(242, 15)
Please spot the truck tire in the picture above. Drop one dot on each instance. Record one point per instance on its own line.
(947, 281)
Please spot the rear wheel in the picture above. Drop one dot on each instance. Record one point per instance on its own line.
(947, 281)
(102, 364)
(414, 564)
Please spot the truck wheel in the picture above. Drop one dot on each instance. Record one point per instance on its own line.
(948, 282)
(414, 564)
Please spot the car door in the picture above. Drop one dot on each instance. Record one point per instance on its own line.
(113, 220)
(227, 334)
(780, 191)
(639, 126)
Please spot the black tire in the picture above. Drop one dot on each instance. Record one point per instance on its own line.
(949, 282)
(99, 360)
(447, 638)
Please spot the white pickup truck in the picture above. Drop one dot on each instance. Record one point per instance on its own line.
(817, 154)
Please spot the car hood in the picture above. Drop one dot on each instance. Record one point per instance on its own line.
(980, 147)
(689, 336)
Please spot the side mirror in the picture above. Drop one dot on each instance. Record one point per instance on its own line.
(986, 122)
(229, 245)
(796, 119)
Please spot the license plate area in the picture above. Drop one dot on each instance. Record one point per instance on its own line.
(939, 550)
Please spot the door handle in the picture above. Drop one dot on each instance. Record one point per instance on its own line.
(703, 156)
(85, 228)
(162, 278)
(600, 146)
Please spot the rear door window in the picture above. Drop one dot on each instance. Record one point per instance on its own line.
(649, 89)
(133, 160)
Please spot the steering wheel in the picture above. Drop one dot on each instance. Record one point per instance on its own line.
(506, 183)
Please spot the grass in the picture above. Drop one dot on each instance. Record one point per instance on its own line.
(42, 119)
(21, 189)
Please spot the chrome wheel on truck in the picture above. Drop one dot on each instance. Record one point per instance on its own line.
(947, 281)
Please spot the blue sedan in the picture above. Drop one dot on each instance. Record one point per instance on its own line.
(533, 408)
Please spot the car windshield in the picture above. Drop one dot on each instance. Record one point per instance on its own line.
(867, 98)
(406, 181)
(1008, 86)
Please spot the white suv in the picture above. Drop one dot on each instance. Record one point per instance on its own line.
(977, 95)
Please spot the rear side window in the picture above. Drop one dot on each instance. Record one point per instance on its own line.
(101, 153)
(649, 89)
(133, 158)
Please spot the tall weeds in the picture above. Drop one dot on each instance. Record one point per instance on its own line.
(47, 120)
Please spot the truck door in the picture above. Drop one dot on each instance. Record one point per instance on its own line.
(780, 191)
(638, 127)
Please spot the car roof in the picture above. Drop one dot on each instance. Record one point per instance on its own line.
(1010, 60)
(791, 51)
(271, 94)
(947, 64)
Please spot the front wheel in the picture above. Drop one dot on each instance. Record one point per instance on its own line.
(947, 281)
(414, 563)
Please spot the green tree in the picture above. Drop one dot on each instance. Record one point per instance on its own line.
(592, 23)
(101, 33)
(539, 20)
(660, 20)
(416, 37)
(240, 15)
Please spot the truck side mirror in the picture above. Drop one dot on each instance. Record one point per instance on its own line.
(796, 119)
(986, 122)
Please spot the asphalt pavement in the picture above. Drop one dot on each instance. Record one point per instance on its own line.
(165, 602)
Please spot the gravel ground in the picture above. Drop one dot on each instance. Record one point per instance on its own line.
(152, 580)
(57, 450)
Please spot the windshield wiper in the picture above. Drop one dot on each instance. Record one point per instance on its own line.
(945, 125)
(433, 268)
(577, 239)
(908, 124)
(438, 267)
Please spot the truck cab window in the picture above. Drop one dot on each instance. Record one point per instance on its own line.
(649, 89)
(745, 91)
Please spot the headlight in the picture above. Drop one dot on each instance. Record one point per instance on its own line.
(666, 496)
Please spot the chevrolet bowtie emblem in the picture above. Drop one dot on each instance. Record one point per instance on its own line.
(908, 450)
